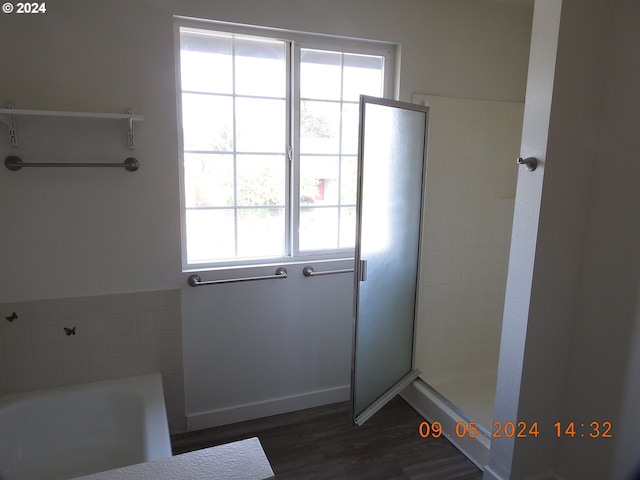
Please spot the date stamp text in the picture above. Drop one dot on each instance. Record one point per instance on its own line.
(591, 429)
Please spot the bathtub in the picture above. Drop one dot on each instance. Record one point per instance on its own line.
(72, 431)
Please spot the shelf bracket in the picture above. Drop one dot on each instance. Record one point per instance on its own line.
(131, 139)
(10, 122)
(8, 114)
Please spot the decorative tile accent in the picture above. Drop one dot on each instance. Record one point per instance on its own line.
(56, 342)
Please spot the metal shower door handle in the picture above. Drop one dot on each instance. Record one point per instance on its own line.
(363, 270)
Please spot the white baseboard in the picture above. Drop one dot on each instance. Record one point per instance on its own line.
(266, 408)
(434, 409)
(489, 474)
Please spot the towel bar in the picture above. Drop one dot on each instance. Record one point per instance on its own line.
(196, 281)
(14, 164)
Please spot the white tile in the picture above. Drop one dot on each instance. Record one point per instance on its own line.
(126, 366)
(74, 373)
(123, 324)
(47, 354)
(99, 351)
(150, 363)
(172, 361)
(16, 333)
(434, 293)
(147, 322)
(71, 323)
(173, 380)
(174, 319)
(97, 327)
(174, 400)
(171, 340)
(43, 311)
(98, 305)
(21, 309)
(19, 380)
(150, 343)
(101, 371)
(157, 300)
(44, 329)
(123, 346)
(73, 351)
(48, 377)
(122, 303)
(70, 308)
(17, 357)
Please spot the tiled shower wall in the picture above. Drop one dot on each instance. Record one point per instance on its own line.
(470, 192)
(66, 341)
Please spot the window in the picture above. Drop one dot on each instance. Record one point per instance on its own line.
(269, 141)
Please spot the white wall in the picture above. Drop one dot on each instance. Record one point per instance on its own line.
(603, 369)
(573, 344)
(72, 233)
(108, 56)
(537, 113)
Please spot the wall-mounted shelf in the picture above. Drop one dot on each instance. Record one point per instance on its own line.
(7, 116)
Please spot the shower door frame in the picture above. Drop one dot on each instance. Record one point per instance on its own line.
(398, 382)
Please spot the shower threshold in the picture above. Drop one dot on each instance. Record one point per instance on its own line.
(455, 423)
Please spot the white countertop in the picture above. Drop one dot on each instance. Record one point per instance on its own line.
(242, 460)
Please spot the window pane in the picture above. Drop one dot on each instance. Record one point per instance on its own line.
(260, 68)
(210, 235)
(208, 180)
(320, 74)
(318, 228)
(347, 227)
(319, 127)
(238, 123)
(207, 122)
(319, 180)
(260, 125)
(205, 62)
(349, 180)
(260, 180)
(261, 232)
(362, 76)
(350, 123)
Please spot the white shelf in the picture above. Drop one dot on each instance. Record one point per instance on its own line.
(7, 116)
(53, 113)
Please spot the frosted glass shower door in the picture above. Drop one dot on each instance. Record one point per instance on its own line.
(390, 179)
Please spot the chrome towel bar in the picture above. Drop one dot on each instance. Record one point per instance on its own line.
(310, 272)
(14, 164)
(195, 280)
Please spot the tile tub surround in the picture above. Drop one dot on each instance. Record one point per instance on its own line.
(116, 336)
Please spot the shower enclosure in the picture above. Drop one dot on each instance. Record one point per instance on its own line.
(431, 258)
(470, 191)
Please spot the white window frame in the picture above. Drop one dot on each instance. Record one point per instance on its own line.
(298, 40)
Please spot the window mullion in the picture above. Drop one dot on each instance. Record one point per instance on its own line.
(339, 229)
(234, 143)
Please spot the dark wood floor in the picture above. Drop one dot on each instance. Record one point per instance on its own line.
(322, 443)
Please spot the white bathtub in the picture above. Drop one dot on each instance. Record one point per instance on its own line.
(72, 431)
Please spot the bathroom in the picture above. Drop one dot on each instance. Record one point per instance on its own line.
(99, 251)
